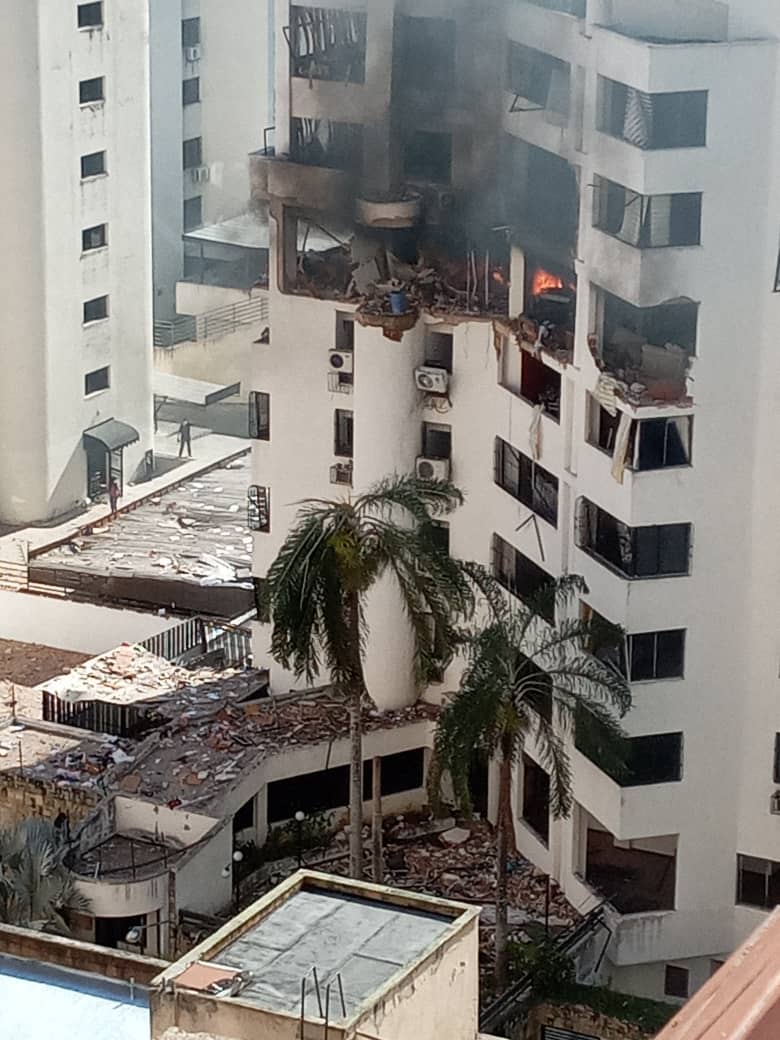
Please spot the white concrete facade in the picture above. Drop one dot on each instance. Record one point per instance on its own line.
(723, 697)
(72, 93)
(215, 90)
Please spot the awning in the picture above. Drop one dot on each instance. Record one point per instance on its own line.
(191, 391)
(112, 434)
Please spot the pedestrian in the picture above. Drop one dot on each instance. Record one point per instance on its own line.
(184, 438)
(113, 494)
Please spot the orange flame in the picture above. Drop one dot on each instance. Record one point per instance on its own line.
(499, 278)
(543, 281)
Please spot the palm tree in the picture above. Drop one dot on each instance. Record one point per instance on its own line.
(318, 584)
(36, 887)
(525, 680)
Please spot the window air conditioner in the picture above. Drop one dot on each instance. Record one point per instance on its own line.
(433, 469)
(341, 361)
(341, 473)
(192, 53)
(432, 380)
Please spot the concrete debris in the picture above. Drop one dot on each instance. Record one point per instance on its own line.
(456, 836)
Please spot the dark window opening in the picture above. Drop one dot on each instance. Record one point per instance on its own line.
(539, 384)
(539, 78)
(523, 578)
(259, 415)
(661, 442)
(657, 655)
(439, 534)
(653, 121)
(628, 331)
(93, 165)
(90, 16)
(325, 142)
(635, 552)
(94, 237)
(776, 763)
(343, 433)
(541, 194)
(605, 640)
(637, 876)
(438, 350)
(190, 91)
(345, 331)
(258, 508)
(436, 441)
(536, 799)
(428, 157)
(758, 882)
(91, 90)
(97, 380)
(96, 310)
(328, 44)
(655, 759)
(190, 32)
(526, 481)
(244, 819)
(647, 221)
(425, 52)
(193, 213)
(192, 152)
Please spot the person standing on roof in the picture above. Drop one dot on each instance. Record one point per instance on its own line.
(114, 494)
(185, 441)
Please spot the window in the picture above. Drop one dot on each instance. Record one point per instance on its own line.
(190, 32)
(259, 415)
(536, 799)
(258, 508)
(343, 433)
(97, 380)
(326, 142)
(428, 157)
(96, 310)
(651, 443)
(655, 759)
(526, 481)
(647, 221)
(539, 78)
(91, 90)
(438, 350)
(90, 16)
(635, 552)
(190, 91)
(93, 165)
(425, 52)
(192, 153)
(523, 578)
(193, 213)
(758, 882)
(676, 981)
(776, 766)
(652, 121)
(436, 441)
(439, 532)
(94, 237)
(327, 43)
(345, 331)
(656, 655)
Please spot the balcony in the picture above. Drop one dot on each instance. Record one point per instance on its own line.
(653, 551)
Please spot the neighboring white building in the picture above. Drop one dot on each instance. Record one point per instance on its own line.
(617, 164)
(76, 292)
(211, 104)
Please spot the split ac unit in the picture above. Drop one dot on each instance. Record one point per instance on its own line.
(433, 469)
(201, 174)
(341, 361)
(192, 53)
(433, 380)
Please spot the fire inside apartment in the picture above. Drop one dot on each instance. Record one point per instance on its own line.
(531, 246)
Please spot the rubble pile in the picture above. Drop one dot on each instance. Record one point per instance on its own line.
(536, 336)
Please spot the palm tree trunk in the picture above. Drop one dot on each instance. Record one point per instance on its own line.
(504, 842)
(355, 740)
(377, 859)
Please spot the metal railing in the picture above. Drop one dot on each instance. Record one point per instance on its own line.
(197, 637)
(214, 324)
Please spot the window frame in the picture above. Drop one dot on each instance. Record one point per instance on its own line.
(647, 738)
(680, 973)
(594, 527)
(187, 225)
(86, 7)
(185, 100)
(191, 149)
(101, 317)
(84, 84)
(186, 25)
(530, 475)
(768, 901)
(344, 433)
(86, 247)
(431, 432)
(103, 172)
(607, 195)
(104, 369)
(511, 579)
(259, 415)
(655, 677)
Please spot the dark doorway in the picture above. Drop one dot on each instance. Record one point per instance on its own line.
(478, 783)
(110, 931)
(536, 799)
(97, 469)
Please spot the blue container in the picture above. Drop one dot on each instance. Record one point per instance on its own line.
(398, 301)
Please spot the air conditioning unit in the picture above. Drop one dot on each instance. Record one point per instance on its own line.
(341, 361)
(432, 380)
(433, 469)
(341, 473)
(774, 803)
(192, 54)
(201, 174)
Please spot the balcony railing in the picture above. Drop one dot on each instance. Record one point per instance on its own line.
(214, 324)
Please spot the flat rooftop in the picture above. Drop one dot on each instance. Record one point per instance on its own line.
(359, 935)
(32, 663)
(40, 1002)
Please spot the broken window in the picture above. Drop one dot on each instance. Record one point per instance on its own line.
(647, 221)
(653, 121)
(758, 882)
(328, 44)
(258, 508)
(323, 142)
(634, 552)
(438, 350)
(650, 444)
(627, 328)
(536, 798)
(526, 481)
(539, 79)
(259, 415)
(425, 52)
(605, 640)
(541, 194)
(343, 433)
(540, 385)
(656, 655)
(436, 441)
(428, 156)
(523, 578)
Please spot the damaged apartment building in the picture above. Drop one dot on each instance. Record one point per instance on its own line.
(531, 245)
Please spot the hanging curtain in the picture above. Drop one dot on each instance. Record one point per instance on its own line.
(638, 123)
(632, 218)
(557, 107)
(659, 225)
